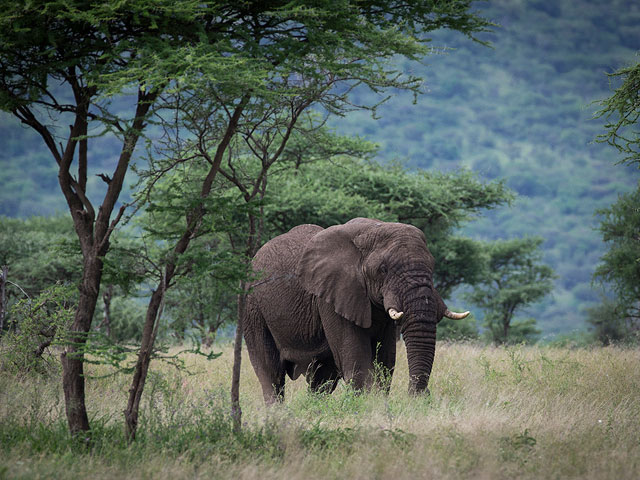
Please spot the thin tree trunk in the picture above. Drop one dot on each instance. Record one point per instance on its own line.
(106, 319)
(253, 240)
(236, 410)
(93, 228)
(149, 333)
(3, 296)
(505, 330)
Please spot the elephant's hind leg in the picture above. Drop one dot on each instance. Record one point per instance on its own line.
(264, 356)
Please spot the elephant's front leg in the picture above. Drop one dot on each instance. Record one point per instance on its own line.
(350, 346)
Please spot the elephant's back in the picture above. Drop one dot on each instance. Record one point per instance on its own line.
(281, 254)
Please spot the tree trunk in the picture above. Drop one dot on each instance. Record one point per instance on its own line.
(106, 320)
(211, 332)
(253, 240)
(72, 358)
(3, 296)
(505, 330)
(154, 310)
(236, 410)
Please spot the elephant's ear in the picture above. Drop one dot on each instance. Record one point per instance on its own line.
(330, 268)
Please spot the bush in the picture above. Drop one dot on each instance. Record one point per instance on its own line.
(36, 325)
(458, 330)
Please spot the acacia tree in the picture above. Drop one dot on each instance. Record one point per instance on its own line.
(618, 319)
(620, 268)
(64, 63)
(512, 279)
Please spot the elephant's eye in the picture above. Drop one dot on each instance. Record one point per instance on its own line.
(383, 268)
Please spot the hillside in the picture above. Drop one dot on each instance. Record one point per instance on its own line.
(521, 110)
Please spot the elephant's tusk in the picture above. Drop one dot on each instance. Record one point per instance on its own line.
(396, 315)
(455, 315)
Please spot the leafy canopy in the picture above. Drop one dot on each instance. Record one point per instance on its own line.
(622, 111)
(340, 187)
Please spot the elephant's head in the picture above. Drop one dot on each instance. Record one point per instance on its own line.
(365, 262)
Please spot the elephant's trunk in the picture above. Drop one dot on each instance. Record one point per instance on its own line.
(420, 339)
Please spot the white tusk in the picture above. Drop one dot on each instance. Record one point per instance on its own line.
(455, 315)
(396, 315)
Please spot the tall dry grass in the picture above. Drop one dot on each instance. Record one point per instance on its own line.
(517, 412)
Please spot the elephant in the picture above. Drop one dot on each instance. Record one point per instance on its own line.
(325, 303)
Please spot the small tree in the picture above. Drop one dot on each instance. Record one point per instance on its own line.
(513, 279)
(63, 63)
(619, 319)
(37, 324)
(620, 268)
(611, 324)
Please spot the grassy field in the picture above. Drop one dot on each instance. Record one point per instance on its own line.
(518, 412)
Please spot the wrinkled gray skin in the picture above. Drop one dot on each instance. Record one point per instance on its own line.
(320, 305)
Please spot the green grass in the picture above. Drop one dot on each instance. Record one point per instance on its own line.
(525, 412)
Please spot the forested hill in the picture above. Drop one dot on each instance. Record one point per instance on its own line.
(523, 111)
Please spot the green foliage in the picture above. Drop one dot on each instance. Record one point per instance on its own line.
(39, 252)
(201, 297)
(513, 279)
(622, 111)
(36, 325)
(520, 331)
(433, 201)
(127, 319)
(338, 189)
(200, 304)
(611, 323)
(619, 267)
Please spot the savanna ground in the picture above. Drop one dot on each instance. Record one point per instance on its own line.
(525, 412)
